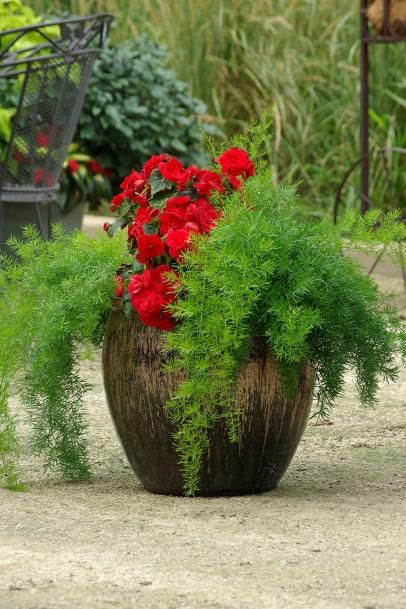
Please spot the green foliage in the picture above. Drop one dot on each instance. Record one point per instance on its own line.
(54, 298)
(135, 107)
(16, 14)
(9, 446)
(302, 57)
(262, 272)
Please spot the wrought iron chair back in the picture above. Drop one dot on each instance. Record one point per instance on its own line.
(51, 64)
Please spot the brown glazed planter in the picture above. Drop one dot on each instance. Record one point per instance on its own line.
(137, 389)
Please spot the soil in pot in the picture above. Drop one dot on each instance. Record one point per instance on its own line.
(138, 388)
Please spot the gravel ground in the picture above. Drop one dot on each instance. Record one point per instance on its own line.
(329, 537)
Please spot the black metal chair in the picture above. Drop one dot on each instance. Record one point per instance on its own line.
(52, 76)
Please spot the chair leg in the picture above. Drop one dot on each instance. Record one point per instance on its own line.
(402, 263)
(43, 227)
(378, 258)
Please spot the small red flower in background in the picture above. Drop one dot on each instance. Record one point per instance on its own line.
(73, 165)
(162, 206)
(39, 173)
(97, 169)
(19, 157)
(42, 140)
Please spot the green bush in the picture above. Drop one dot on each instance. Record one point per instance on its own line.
(135, 107)
(69, 280)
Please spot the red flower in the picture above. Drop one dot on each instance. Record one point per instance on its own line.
(236, 162)
(234, 182)
(146, 214)
(107, 172)
(106, 226)
(177, 201)
(150, 279)
(207, 182)
(174, 214)
(177, 242)
(133, 183)
(150, 293)
(135, 230)
(202, 213)
(73, 165)
(153, 163)
(186, 177)
(39, 174)
(118, 286)
(172, 170)
(95, 167)
(18, 156)
(149, 246)
(181, 217)
(116, 201)
(141, 200)
(42, 140)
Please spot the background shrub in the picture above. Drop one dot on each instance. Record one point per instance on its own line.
(302, 56)
(135, 107)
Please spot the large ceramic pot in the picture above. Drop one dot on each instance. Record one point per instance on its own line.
(137, 389)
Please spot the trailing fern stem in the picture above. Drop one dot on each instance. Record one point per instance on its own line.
(54, 297)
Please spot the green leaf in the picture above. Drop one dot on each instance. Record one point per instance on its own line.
(158, 182)
(115, 226)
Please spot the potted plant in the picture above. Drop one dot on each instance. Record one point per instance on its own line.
(83, 181)
(228, 313)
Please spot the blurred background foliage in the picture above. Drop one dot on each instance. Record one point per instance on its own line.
(299, 55)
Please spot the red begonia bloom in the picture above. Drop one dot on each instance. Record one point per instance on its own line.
(149, 246)
(116, 201)
(133, 183)
(146, 214)
(153, 163)
(160, 226)
(208, 182)
(177, 241)
(236, 162)
(172, 170)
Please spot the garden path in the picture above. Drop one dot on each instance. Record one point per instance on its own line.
(329, 537)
